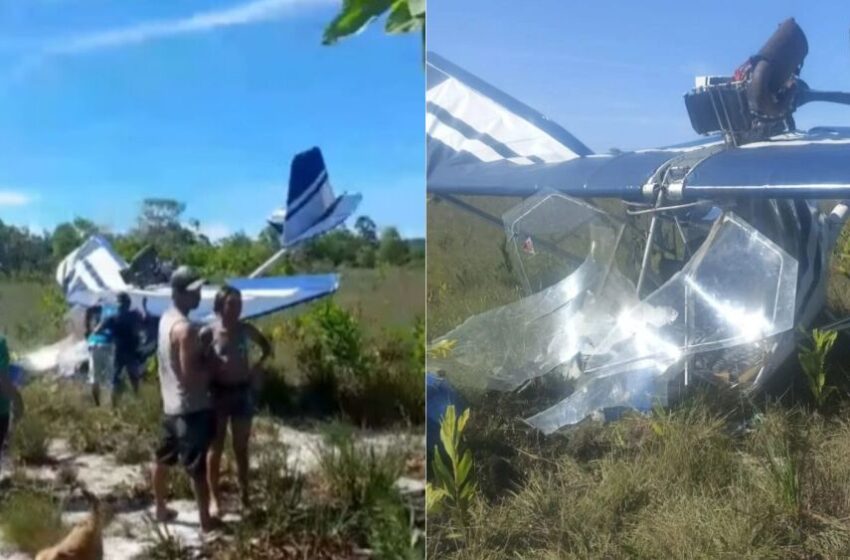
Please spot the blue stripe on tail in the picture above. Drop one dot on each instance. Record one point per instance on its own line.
(306, 168)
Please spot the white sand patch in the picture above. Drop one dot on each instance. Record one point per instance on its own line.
(303, 447)
(130, 532)
(100, 474)
(407, 485)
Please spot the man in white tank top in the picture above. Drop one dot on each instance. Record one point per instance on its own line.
(189, 424)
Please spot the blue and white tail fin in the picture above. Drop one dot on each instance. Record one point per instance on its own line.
(468, 120)
(311, 207)
(94, 268)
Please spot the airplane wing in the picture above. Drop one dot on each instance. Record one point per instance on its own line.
(810, 164)
(483, 142)
(260, 296)
(93, 266)
(92, 274)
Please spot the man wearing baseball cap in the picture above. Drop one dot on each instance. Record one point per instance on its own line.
(189, 424)
(119, 332)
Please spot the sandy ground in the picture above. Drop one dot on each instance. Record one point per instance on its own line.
(132, 527)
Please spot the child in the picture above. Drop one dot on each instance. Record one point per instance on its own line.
(233, 377)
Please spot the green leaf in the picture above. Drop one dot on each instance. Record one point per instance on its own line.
(448, 430)
(434, 498)
(464, 468)
(416, 7)
(401, 20)
(353, 17)
(444, 476)
(461, 424)
(442, 349)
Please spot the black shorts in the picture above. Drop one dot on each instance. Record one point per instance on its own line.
(4, 428)
(186, 438)
(234, 401)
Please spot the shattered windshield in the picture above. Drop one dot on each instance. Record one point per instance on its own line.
(731, 297)
(504, 347)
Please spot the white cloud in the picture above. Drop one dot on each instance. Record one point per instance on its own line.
(14, 198)
(242, 14)
(256, 11)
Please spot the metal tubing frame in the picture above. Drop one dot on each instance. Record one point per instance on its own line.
(659, 200)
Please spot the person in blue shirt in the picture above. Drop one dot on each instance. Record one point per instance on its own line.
(101, 350)
(11, 403)
(123, 328)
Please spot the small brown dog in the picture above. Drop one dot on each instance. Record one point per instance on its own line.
(85, 541)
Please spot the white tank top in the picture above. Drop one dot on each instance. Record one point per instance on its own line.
(176, 398)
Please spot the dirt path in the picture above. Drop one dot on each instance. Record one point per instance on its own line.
(128, 534)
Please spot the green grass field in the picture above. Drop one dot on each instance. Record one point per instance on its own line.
(382, 298)
(22, 316)
(690, 483)
(467, 273)
(348, 502)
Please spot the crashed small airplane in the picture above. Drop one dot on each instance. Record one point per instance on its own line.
(645, 272)
(95, 273)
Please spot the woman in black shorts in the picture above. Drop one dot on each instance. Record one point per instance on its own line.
(232, 387)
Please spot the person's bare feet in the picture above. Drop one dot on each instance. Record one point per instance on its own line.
(165, 515)
(215, 508)
(213, 524)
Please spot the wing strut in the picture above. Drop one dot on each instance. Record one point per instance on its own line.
(268, 264)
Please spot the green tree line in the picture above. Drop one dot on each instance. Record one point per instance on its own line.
(160, 223)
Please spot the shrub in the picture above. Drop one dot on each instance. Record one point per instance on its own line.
(454, 485)
(389, 532)
(163, 545)
(276, 394)
(371, 385)
(362, 479)
(30, 438)
(31, 520)
(331, 352)
(357, 476)
(129, 431)
(812, 358)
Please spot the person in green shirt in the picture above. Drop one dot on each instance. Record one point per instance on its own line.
(10, 398)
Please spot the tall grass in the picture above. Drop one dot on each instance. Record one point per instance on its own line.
(679, 484)
(30, 520)
(362, 480)
(30, 439)
(350, 504)
(372, 381)
(355, 475)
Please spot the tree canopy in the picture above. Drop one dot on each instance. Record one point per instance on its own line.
(160, 223)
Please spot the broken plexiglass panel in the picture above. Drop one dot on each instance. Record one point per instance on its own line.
(739, 288)
(725, 306)
(504, 347)
(736, 293)
(549, 237)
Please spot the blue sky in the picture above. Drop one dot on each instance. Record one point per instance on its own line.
(106, 102)
(614, 73)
